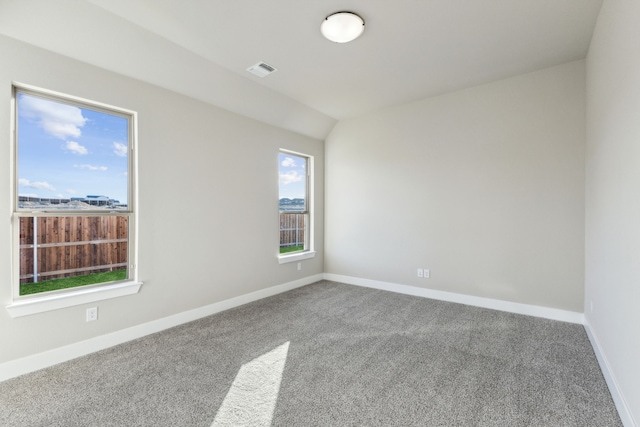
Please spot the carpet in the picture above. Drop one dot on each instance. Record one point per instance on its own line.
(329, 354)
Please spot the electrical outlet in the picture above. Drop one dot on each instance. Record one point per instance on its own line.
(427, 273)
(299, 266)
(420, 273)
(591, 306)
(92, 314)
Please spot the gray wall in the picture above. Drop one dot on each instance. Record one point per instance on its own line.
(485, 187)
(208, 187)
(613, 194)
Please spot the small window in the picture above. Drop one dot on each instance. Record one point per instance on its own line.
(73, 199)
(294, 170)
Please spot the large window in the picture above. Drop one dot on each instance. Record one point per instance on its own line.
(295, 205)
(73, 213)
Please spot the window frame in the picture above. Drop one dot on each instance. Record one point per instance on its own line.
(23, 305)
(309, 250)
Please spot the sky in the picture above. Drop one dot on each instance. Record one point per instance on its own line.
(292, 173)
(66, 151)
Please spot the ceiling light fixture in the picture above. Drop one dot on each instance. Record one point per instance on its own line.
(342, 27)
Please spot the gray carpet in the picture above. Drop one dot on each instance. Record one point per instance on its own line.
(348, 356)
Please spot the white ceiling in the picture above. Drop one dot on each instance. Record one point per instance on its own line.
(411, 49)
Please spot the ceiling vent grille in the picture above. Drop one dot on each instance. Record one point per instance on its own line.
(261, 69)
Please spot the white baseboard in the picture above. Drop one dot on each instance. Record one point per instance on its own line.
(511, 307)
(618, 398)
(48, 358)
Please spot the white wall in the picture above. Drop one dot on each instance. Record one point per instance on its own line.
(613, 194)
(208, 221)
(485, 187)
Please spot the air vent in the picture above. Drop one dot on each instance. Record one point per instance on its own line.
(261, 69)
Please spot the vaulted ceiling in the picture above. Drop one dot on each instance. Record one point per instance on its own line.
(411, 49)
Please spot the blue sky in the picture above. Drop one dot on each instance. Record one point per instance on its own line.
(292, 173)
(68, 151)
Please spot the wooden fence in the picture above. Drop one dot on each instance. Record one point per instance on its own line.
(71, 246)
(76, 246)
(292, 229)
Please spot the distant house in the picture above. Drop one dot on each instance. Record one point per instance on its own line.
(43, 200)
(96, 200)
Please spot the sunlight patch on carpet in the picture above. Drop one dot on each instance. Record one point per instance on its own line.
(252, 397)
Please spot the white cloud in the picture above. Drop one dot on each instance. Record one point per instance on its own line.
(91, 167)
(40, 185)
(56, 119)
(70, 191)
(119, 149)
(290, 177)
(28, 195)
(61, 196)
(288, 162)
(76, 148)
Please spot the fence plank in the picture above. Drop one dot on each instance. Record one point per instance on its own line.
(78, 270)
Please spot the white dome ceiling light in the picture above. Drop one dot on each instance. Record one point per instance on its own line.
(342, 27)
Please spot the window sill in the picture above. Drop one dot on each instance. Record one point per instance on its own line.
(283, 259)
(28, 306)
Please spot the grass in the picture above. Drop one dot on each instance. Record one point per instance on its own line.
(72, 282)
(291, 249)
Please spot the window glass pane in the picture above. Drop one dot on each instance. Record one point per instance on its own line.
(63, 252)
(293, 232)
(292, 171)
(294, 217)
(70, 157)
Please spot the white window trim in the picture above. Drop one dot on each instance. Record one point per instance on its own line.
(39, 303)
(75, 296)
(298, 256)
(310, 251)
